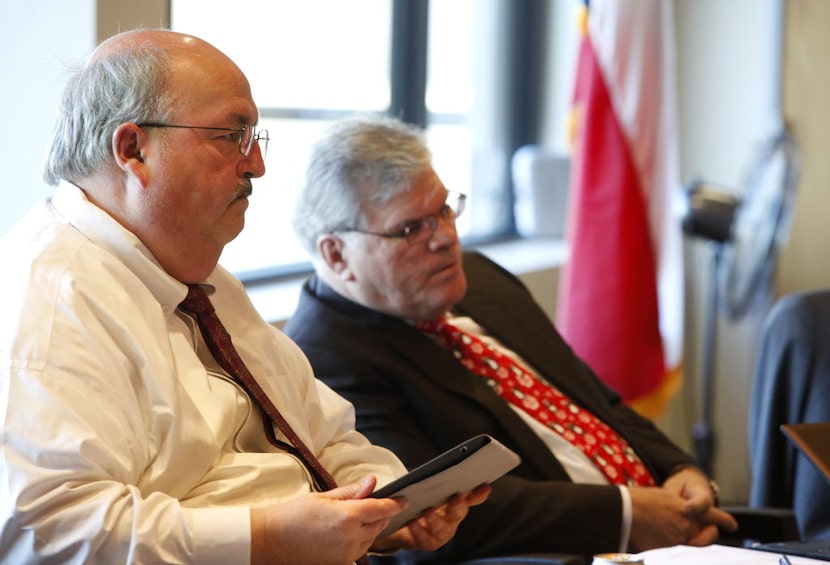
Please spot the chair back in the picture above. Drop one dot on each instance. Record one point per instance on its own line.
(791, 385)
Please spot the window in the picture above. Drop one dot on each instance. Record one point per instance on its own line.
(315, 61)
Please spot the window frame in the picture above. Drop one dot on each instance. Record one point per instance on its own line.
(523, 39)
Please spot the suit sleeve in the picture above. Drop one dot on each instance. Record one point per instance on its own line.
(660, 454)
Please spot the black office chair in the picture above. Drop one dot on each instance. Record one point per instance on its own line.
(760, 525)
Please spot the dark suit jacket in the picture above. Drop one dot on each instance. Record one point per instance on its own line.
(414, 398)
(792, 384)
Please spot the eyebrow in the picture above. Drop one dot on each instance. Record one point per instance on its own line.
(242, 119)
(422, 216)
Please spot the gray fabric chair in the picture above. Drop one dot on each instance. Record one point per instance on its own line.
(792, 384)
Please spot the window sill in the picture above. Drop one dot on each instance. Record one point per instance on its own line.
(277, 301)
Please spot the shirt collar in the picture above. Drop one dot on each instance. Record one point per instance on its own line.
(105, 232)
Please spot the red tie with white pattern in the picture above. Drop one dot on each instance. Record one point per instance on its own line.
(548, 405)
(219, 343)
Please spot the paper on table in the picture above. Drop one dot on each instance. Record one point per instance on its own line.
(717, 555)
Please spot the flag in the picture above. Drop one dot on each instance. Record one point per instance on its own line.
(620, 303)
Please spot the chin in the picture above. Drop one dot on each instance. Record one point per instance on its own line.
(458, 284)
(453, 292)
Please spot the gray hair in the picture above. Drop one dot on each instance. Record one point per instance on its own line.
(125, 86)
(359, 161)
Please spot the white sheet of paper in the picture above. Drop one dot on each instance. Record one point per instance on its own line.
(718, 555)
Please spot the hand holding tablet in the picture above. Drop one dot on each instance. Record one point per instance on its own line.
(479, 460)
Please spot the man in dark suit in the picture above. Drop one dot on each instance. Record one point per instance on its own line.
(381, 229)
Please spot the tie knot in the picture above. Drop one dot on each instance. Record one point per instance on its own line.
(197, 301)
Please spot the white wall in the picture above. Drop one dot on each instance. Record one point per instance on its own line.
(728, 100)
(38, 38)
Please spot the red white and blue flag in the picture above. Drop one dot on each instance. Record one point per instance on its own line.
(621, 293)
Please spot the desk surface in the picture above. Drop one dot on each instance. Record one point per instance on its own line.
(718, 555)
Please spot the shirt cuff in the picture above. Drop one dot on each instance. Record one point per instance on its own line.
(625, 523)
(220, 535)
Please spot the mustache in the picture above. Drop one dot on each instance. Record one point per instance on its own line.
(245, 189)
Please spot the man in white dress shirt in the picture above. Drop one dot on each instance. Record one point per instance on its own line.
(122, 439)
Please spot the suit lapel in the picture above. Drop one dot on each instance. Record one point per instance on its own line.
(438, 364)
(527, 331)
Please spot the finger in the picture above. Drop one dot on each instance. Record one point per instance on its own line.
(447, 515)
(696, 506)
(705, 536)
(365, 487)
(377, 510)
(721, 519)
(372, 529)
(360, 489)
(479, 495)
(431, 534)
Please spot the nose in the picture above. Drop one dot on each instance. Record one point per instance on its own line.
(253, 166)
(444, 231)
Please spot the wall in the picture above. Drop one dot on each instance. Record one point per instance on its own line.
(115, 16)
(36, 50)
(728, 87)
(806, 94)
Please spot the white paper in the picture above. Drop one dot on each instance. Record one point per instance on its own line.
(718, 555)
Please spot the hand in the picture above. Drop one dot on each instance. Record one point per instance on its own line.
(659, 518)
(329, 528)
(694, 486)
(682, 511)
(436, 526)
(691, 484)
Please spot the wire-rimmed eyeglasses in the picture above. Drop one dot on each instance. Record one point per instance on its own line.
(245, 135)
(421, 229)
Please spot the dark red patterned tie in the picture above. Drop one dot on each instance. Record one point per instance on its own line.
(548, 405)
(218, 341)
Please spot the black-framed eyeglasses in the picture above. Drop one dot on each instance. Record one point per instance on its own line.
(421, 229)
(244, 136)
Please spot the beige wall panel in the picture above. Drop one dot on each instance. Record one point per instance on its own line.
(115, 16)
(806, 101)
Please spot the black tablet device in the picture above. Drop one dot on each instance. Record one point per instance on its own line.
(477, 461)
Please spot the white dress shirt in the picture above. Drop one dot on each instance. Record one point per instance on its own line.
(118, 442)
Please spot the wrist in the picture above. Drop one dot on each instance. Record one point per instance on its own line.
(686, 467)
(689, 470)
(713, 485)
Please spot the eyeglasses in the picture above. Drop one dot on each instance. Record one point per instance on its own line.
(244, 136)
(420, 230)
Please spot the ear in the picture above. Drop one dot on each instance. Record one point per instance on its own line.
(332, 249)
(129, 144)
